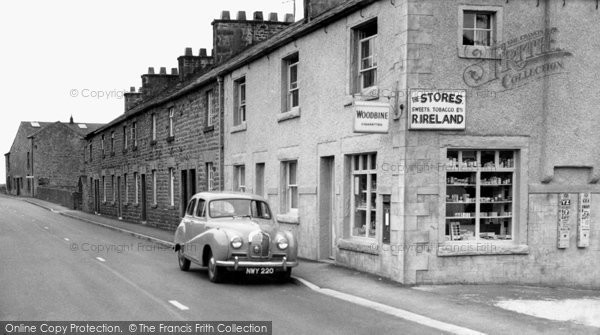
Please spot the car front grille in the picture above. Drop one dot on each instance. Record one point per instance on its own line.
(259, 245)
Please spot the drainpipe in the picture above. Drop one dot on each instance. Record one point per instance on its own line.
(220, 91)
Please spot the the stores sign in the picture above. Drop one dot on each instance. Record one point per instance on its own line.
(437, 109)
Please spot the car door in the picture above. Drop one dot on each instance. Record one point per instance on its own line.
(196, 227)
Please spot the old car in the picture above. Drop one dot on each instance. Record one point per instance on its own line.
(233, 231)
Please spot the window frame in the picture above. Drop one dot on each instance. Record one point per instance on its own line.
(171, 121)
(357, 70)
(209, 108)
(125, 181)
(136, 180)
(371, 209)
(240, 101)
(288, 87)
(496, 24)
(210, 176)
(172, 186)
(112, 142)
(239, 175)
(125, 140)
(134, 141)
(104, 189)
(102, 145)
(154, 188)
(290, 189)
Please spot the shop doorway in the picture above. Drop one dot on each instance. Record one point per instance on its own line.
(326, 208)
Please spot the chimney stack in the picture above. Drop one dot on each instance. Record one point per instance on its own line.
(190, 64)
(153, 83)
(132, 98)
(314, 8)
(232, 36)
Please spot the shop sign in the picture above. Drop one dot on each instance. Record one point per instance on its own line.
(371, 117)
(564, 211)
(583, 222)
(437, 109)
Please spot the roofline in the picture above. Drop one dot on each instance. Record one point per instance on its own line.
(244, 58)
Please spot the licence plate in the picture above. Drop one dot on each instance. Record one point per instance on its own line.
(260, 271)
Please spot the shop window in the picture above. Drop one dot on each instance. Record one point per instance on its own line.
(480, 186)
(480, 28)
(290, 185)
(239, 175)
(239, 113)
(364, 65)
(363, 189)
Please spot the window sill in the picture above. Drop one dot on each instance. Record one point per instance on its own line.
(134, 148)
(365, 246)
(153, 143)
(171, 207)
(136, 205)
(241, 127)
(124, 151)
(481, 248)
(208, 129)
(154, 206)
(291, 114)
(477, 52)
(170, 139)
(288, 218)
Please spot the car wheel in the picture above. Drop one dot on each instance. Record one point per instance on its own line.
(214, 272)
(284, 276)
(184, 263)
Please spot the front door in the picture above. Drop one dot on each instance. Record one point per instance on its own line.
(97, 196)
(144, 202)
(326, 208)
(119, 209)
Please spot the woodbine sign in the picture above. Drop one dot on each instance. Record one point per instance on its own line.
(371, 117)
(437, 109)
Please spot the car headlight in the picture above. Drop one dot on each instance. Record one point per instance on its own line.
(282, 243)
(236, 242)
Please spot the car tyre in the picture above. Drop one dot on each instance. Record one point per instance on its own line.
(215, 274)
(184, 263)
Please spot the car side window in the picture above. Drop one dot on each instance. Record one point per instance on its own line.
(260, 210)
(201, 209)
(190, 207)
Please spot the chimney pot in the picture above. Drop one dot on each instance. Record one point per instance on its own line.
(273, 17)
(174, 71)
(188, 52)
(71, 120)
(163, 70)
(289, 18)
(225, 15)
(258, 16)
(241, 15)
(202, 52)
(132, 89)
(150, 70)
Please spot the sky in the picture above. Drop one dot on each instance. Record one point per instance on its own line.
(72, 57)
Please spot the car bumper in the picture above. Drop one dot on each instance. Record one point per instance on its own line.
(236, 263)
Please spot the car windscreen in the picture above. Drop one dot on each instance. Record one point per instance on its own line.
(239, 207)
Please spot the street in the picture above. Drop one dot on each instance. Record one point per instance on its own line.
(57, 268)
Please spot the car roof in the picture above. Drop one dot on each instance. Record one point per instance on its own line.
(228, 195)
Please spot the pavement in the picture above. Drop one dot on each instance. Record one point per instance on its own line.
(458, 309)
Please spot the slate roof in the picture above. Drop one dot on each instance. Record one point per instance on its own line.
(253, 52)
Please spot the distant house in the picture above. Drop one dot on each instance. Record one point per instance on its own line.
(45, 159)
